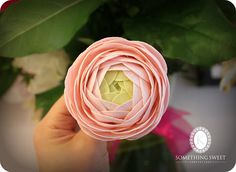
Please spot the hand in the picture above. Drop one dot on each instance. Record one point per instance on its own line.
(60, 147)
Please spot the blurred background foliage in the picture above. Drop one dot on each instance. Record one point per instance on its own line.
(189, 33)
(149, 153)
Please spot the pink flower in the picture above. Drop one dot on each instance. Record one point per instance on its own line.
(5, 3)
(176, 131)
(117, 89)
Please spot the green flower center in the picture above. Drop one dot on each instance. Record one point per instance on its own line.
(116, 87)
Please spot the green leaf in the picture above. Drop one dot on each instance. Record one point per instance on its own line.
(196, 32)
(107, 20)
(47, 99)
(86, 41)
(8, 74)
(147, 154)
(36, 26)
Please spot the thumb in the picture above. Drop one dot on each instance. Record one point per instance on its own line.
(59, 117)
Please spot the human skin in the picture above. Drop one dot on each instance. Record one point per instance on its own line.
(61, 147)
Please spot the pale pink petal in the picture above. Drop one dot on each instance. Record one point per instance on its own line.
(139, 71)
(145, 89)
(107, 121)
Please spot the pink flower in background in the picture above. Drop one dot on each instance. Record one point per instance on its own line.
(176, 131)
(5, 3)
(117, 89)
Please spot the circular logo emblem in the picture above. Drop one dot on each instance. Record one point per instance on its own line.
(200, 139)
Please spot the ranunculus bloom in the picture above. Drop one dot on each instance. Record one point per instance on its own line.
(117, 89)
